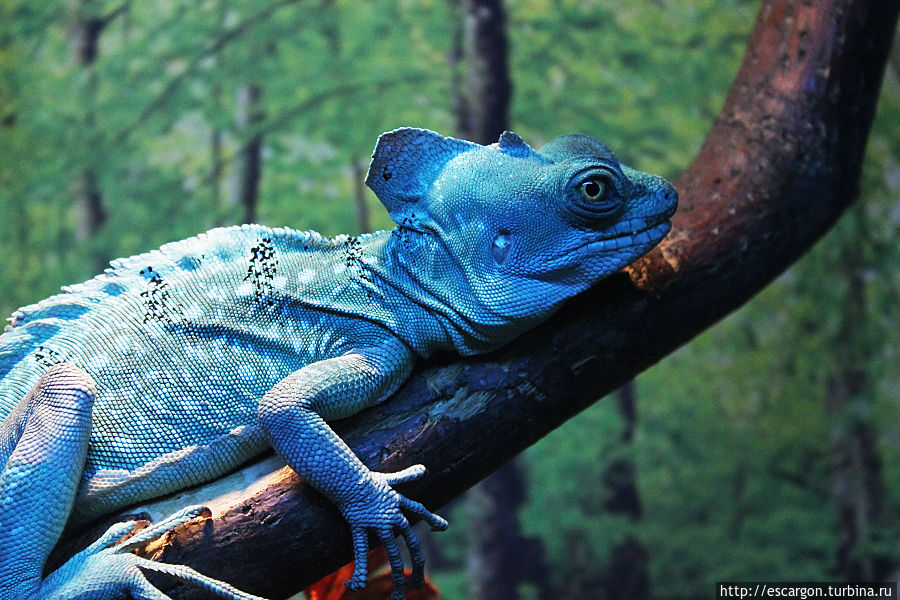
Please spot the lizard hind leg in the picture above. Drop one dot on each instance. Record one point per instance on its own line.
(139, 587)
(108, 568)
(43, 446)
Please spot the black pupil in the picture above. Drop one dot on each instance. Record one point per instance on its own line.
(592, 189)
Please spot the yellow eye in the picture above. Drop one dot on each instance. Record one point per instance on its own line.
(593, 189)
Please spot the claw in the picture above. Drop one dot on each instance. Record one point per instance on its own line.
(219, 588)
(113, 535)
(438, 523)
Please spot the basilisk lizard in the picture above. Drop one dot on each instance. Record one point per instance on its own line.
(175, 366)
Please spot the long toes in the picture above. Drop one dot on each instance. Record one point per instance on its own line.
(171, 522)
(112, 535)
(434, 521)
(415, 553)
(220, 588)
(361, 556)
(408, 474)
(398, 577)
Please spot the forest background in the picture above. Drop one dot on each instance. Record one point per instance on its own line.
(767, 448)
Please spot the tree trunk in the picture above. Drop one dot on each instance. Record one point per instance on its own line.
(620, 476)
(494, 534)
(216, 172)
(363, 221)
(738, 500)
(482, 106)
(249, 167)
(219, 203)
(626, 576)
(857, 487)
(779, 166)
(486, 88)
(87, 199)
(894, 60)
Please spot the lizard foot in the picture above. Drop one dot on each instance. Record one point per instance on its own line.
(381, 512)
(108, 568)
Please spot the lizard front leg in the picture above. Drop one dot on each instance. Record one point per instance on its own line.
(293, 415)
(43, 446)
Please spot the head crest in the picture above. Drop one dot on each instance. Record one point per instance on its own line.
(406, 162)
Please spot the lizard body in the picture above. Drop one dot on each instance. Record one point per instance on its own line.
(175, 366)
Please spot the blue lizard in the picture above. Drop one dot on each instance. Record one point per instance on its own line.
(175, 366)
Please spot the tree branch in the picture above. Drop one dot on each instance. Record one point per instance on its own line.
(226, 37)
(312, 101)
(114, 13)
(780, 164)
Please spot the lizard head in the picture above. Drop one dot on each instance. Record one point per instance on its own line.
(517, 230)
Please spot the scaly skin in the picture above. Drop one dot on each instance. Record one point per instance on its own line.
(175, 366)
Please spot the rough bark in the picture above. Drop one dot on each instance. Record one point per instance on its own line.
(779, 166)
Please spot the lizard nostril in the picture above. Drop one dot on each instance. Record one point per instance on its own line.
(669, 193)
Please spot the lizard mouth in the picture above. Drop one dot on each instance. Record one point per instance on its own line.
(634, 232)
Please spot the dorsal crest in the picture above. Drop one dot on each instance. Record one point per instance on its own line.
(132, 272)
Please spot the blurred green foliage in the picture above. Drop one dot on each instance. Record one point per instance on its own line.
(732, 448)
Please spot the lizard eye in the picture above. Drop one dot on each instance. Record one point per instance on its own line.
(593, 189)
(596, 192)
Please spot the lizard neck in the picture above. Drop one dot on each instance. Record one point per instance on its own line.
(438, 310)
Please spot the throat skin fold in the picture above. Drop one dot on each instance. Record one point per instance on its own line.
(408, 282)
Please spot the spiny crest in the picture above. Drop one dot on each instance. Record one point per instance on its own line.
(219, 245)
